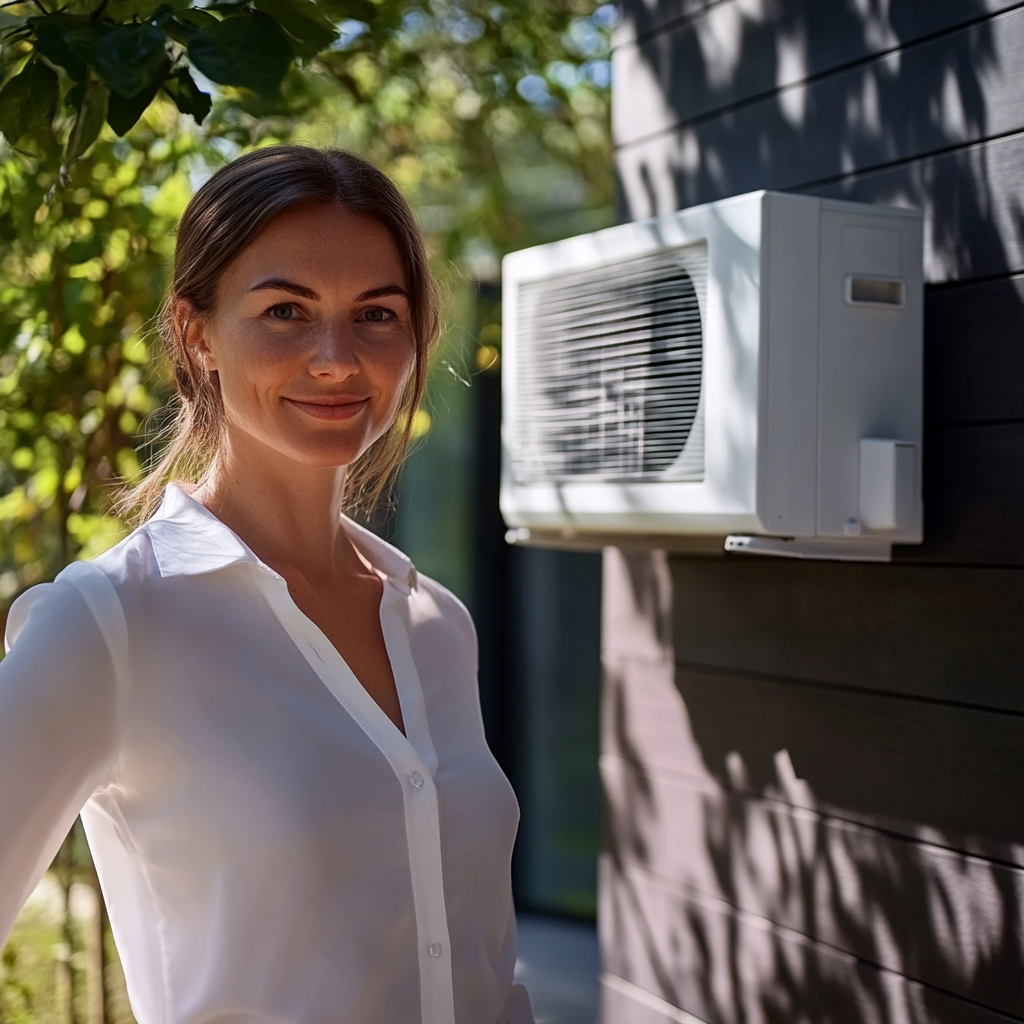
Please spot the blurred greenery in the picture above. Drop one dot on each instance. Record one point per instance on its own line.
(493, 119)
(79, 280)
(492, 115)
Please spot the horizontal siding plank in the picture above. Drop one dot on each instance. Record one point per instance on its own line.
(950, 774)
(953, 87)
(638, 18)
(874, 30)
(971, 197)
(726, 966)
(972, 200)
(636, 605)
(973, 495)
(951, 634)
(974, 352)
(940, 917)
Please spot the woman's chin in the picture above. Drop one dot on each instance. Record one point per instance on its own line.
(318, 455)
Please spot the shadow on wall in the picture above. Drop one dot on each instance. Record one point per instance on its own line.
(784, 850)
(799, 95)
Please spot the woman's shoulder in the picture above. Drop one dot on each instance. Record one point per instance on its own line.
(432, 605)
(435, 607)
(444, 600)
(67, 596)
(130, 561)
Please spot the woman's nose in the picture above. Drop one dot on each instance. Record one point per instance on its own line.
(334, 355)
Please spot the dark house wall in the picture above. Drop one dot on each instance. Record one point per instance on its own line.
(814, 772)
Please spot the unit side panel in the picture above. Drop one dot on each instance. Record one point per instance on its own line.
(789, 407)
(509, 502)
(870, 358)
(732, 354)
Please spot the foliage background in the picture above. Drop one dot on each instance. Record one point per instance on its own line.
(492, 117)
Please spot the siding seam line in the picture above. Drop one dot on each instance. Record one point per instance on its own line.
(851, 688)
(683, 888)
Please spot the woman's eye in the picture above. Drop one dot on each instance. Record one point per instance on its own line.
(377, 314)
(282, 311)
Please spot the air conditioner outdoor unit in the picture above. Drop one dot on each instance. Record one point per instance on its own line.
(749, 370)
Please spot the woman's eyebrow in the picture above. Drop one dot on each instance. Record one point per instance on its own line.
(379, 293)
(279, 284)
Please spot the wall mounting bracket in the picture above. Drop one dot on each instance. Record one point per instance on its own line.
(835, 550)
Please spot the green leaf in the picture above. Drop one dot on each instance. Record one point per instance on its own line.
(184, 25)
(123, 113)
(83, 41)
(246, 50)
(144, 10)
(359, 10)
(304, 21)
(91, 115)
(51, 41)
(198, 18)
(76, 94)
(27, 100)
(187, 96)
(86, 7)
(131, 59)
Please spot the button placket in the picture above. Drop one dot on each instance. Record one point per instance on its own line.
(422, 817)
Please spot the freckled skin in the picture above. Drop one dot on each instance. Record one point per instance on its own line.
(311, 375)
(271, 347)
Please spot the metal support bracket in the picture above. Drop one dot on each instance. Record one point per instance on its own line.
(834, 550)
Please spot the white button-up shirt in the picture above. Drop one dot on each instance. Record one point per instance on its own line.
(270, 846)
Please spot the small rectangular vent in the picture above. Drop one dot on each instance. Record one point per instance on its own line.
(610, 369)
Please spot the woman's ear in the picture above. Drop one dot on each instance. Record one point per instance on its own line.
(193, 334)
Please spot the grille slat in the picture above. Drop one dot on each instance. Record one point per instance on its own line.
(610, 366)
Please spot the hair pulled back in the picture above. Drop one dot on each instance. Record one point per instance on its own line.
(222, 218)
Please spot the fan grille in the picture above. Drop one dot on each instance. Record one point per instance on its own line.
(609, 372)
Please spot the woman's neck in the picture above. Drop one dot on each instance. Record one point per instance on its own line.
(287, 513)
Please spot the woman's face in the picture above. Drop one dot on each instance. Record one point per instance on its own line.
(312, 339)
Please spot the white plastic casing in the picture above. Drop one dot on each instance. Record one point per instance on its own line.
(812, 345)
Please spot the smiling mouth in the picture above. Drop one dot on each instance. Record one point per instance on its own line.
(330, 408)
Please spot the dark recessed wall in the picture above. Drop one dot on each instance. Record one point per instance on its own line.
(813, 771)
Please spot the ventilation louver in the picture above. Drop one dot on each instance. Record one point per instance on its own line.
(610, 368)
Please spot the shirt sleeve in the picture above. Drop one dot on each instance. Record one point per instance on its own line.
(517, 1007)
(58, 732)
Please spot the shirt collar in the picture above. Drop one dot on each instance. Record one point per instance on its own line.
(189, 540)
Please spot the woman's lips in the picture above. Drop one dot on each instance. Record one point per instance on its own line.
(330, 408)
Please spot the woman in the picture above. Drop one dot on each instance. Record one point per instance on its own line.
(268, 721)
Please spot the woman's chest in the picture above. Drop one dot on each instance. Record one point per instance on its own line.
(241, 737)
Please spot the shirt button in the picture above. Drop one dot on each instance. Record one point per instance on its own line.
(417, 781)
(435, 949)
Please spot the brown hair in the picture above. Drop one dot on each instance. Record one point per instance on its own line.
(223, 217)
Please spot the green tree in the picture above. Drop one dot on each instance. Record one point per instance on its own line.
(433, 73)
(80, 277)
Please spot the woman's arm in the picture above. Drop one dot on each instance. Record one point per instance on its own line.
(58, 731)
